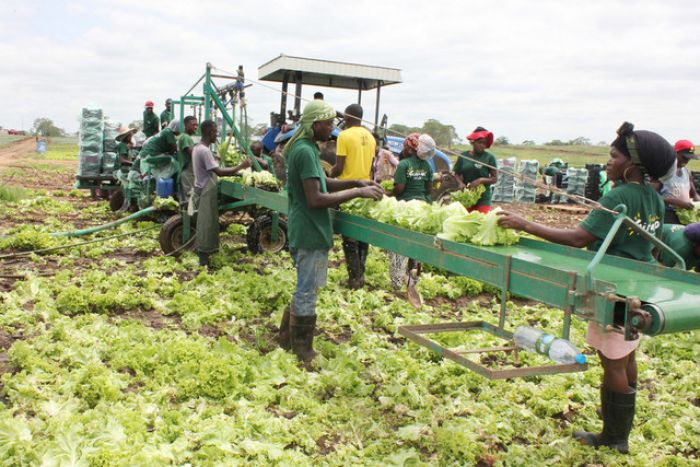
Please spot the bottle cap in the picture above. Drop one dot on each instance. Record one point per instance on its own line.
(581, 359)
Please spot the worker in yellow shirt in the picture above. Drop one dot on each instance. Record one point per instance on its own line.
(355, 152)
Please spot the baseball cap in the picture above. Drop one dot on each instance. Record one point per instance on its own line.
(686, 149)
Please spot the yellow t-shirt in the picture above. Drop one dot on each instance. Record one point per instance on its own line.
(357, 145)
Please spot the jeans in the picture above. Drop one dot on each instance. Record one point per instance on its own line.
(311, 266)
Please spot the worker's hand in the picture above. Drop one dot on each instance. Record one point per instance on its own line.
(374, 192)
(474, 183)
(687, 205)
(364, 183)
(511, 221)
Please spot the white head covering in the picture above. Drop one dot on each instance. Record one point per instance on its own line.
(426, 147)
(175, 126)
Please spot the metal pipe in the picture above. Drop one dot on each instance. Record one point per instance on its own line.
(283, 103)
(297, 93)
(110, 225)
(376, 109)
(195, 84)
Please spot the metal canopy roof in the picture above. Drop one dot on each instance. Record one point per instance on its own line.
(327, 73)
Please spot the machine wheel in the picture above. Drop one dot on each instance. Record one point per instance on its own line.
(170, 237)
(116, 201)
(259, 237)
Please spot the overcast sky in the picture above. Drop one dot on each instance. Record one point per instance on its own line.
(535, 70)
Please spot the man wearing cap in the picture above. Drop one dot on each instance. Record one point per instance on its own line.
(310, 228)
(679, 191)
(354, 155)
(166, 116)
(477, 167)
(151, 125)
(184, 157)
(684, 240)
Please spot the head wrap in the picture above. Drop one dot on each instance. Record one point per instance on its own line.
(174, 126)
(426, 147)
(692, 232)
(315, 111)
(648, 150)
(412, 140)
(481, 132)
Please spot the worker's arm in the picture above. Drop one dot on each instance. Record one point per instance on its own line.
(577, 238)
(490, 180)
(460, 181)
(316, 199)
(333, 184)
(231, 171)
(678, 203)
(338, 167)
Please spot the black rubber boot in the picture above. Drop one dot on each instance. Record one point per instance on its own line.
(599, 410)
(351, 248)
(618, 415)
(302, 337)
(283, 338)
(203, 259)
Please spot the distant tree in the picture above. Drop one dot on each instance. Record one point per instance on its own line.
(528, 142)
(555, 142)
(580, 141)
(45, 127)
(444, 135)
(136, 124)
(602, 143)
(502, 141)
(398, 129)
(259, 129)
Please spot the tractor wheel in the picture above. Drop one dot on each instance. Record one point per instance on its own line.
(259, 236)
(170, 237)
(116, 201)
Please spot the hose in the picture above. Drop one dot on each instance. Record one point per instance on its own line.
(110, 225)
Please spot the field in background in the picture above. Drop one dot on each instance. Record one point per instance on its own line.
(6, 140)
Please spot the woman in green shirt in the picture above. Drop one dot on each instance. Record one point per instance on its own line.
(477, 167)
(632, 155)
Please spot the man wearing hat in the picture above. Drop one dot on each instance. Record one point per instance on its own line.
(679, 192)
(684, 240)
(166, 116)
(123, 146)
(477, 167)
(151, 125)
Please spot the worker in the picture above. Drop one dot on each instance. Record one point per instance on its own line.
(124, 145)
(413, 180)
(354, 151)
(263, 159)
(477, 167)
(166, 116)
(633, 154)
(684, 240)
(309, 225)
(679, 191)
(385, 163)
(318, 96)
(185, 143)
(151, 125)
(206, 178)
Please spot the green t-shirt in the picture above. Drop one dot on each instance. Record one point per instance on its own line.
(166, 117)
(550, 171)
(308, 228)
(644, 206)
(414, 173)
(151, 124)
(673, 236)
(268, 161)
(184, 141)
(122, 151)
(162, 143)
(470, 170)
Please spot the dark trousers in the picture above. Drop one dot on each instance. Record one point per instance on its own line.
(355, 257)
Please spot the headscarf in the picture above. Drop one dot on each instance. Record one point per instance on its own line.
(175, 126)
(426, 147)
(412, 140)
(692, 232)
(647, 150)
(315, 111)
(481, 132)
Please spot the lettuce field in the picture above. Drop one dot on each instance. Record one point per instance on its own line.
(113, 354)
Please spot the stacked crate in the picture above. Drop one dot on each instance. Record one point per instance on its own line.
(109, 157)
(593, 183)
(90, 142)
(576, 180)
(525, 190)
(504, 188)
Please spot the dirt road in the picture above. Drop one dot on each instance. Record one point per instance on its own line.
(12, 154)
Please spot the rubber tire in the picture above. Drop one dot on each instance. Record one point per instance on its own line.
(170, 237)
(116, 201)
(258, 236)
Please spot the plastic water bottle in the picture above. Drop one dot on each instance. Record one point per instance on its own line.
(558, 350)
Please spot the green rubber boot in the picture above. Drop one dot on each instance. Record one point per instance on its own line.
(618, 416)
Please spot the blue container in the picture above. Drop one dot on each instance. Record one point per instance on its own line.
(164, 187)
(41, 146)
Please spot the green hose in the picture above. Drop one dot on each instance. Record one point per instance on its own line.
(110, 225)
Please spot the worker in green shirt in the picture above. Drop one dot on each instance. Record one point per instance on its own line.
(162, 144)
(634, 155)
(477, 167)
(123, 147)
(309, 225)
(151, 126)
(684, 240)
(263, 159)
(185, 143)
(166, 116)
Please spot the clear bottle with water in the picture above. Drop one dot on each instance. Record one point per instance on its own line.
(558, 350)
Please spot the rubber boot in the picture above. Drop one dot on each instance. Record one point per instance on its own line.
(599, 410)
(618, 415)
(352, 260)
(302, 333)
(203, 259)
(283, 338)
